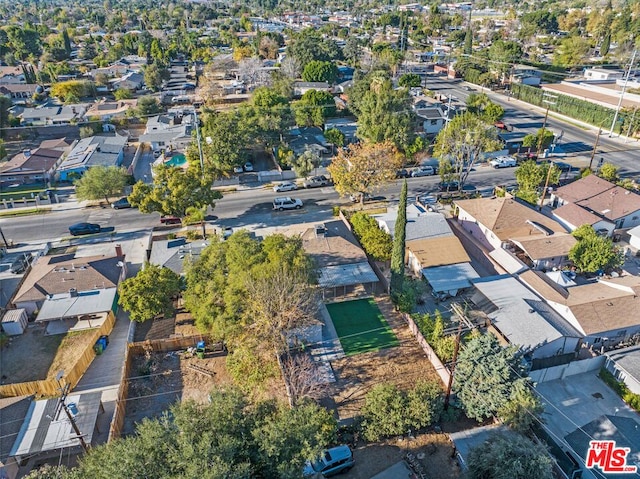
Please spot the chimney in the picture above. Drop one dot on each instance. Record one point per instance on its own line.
(73, 293)
(119, 250)
(26, 153)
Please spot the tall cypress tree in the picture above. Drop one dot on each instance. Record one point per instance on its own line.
(399, 238)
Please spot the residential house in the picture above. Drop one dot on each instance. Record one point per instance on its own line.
(433, 120)
(302, 87)
(47, 433)
(131, 81)
(605, 312)
(13, 411)
(634, 237)
(595, 73)
(611, 203)
(106, 110)
(93, 151)
(20, 91)
(496, 220)
(308, 138)
(521, 318)
(84, 309)
(11, 75)
(347, 126)
(35, 166)
(573, 216)
(343, 268)
(544, 252)
(170, 130)
(421, 224)
(624, 364)
(525, 75)
(58, 274)
(51, 115)
(173, 254)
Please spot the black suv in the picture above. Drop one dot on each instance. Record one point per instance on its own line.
(84, 229)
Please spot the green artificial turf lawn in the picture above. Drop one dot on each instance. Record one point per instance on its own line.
(361, 326)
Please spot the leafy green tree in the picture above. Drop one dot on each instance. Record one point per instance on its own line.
(319, 71)
(410, 80)
(352, 51)
(609, 172)
(504, 53)
(150, 293)
(376, 243)
(335, 137)
(308, 45)
(195, 215)
(226, 135)
(75, 89)
(305, 163)
(522, 409)
(363, 168)
(493, 112)
(399, 240)
(511, 456)
(463, 142)
(606, 44)
(101, 182)
(148, 105)
(572, 52)
(122, 94)
(530, 176)
(481, 105)
(173, 191)
(485, 375)
(154, 75)
(541, 140)
(313, 108)
(268, 113)
(468, 41)
(384, 114)
(593, 252)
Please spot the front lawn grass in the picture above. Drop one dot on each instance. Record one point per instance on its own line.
(361, 326)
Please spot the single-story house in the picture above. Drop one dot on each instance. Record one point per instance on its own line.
(605, 312)
(47, 432)
(494, 221)
(106, 110)
(544, 252)
(602, 198)
(13, 411)
(168, 130)
(93, 151)
(526, 75)
(28, 167)
(302, 87)
(433, 120)
(523, 319)
(421, 224)
(573, 216)
(51, 275)
(89, 308)
(174, 253)
(51, 115)
(436, 251)
(308, 138)
(624, 364)
(20, 91)
(130, 81)
(11, 74)
(342, 264)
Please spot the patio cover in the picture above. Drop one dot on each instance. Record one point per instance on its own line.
(61, 306)
(450, 278)
(346, 275)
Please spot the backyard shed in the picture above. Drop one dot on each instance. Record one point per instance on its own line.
(14, 321)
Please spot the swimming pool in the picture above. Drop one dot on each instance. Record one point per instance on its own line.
(176, 160)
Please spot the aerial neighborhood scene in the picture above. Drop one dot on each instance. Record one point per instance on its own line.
(295, 239)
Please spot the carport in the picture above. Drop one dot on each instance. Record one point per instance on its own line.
(347, 279)
(451, 278)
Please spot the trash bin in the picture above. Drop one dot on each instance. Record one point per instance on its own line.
(200, 350)
(98, 349)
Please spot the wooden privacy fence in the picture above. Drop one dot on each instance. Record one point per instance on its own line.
(50, 387)
(133, 349)
(440, 368)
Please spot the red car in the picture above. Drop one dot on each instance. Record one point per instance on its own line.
(170, 220)
(503, 126)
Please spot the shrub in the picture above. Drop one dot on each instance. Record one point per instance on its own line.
(376, 243)
(432, 328)
(621, 389)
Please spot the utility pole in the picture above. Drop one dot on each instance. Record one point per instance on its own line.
(62, 404)
(595, 147)
(548, 99)
(624, 87)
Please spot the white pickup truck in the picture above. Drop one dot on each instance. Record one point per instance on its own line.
(503, 162)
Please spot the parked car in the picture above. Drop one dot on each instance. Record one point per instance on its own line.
(21, 263)
(449, 185)
(503, 126)
(248, 166)
(79, 229)
(157, 153)
(316, 181)
(562, 166)
(332, 461)
(286, 203)
(121, 204)
(503, 162)
(402, 173)
(522, 157)
(238, 169)
(423, 171)
(467, 88)
(355, 197)
(285, 186)
(170, 220)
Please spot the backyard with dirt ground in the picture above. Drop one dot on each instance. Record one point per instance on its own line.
(34, 356)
